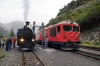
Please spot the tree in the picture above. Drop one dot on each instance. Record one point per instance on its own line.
(12, 33)
(78, 2)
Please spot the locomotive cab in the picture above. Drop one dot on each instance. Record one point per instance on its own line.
(71, 32)
(70, 36)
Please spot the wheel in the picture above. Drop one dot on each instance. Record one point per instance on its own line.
(58, 47)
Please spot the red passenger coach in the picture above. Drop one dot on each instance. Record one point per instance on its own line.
(62, 35)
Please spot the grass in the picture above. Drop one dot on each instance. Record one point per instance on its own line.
(2, 55)
(95, 44)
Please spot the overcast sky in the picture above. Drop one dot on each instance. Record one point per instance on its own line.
(36, 10)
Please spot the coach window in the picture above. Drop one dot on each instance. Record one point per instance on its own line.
(58, 30)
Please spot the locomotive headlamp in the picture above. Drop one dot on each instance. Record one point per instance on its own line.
(22, 40)
(65, 36)
(27, 26)
(32, 39)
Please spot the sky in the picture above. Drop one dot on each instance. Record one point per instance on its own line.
(30, 10)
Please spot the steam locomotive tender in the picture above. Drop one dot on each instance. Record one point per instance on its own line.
(25, 37)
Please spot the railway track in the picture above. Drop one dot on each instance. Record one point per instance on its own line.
(89, 47)
(91, 55)
(31, 59)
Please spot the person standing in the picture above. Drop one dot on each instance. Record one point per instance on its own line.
(2, 42)
(7, 44)
(13, 41)
(10, 42)
(46, 42)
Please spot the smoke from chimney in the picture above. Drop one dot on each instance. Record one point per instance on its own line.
(26, 9)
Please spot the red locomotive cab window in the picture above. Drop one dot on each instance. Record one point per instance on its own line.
(75, 28)
(67, 28)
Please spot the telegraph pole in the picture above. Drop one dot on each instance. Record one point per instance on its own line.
(34, 27)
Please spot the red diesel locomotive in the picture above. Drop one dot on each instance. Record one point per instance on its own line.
(62, 35)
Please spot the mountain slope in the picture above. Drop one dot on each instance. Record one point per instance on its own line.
(3, 32)
(15, 25)
(85, 15)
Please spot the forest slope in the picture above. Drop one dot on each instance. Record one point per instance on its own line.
(87, 16)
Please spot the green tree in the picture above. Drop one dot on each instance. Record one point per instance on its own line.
(78, 2)
(12, 33)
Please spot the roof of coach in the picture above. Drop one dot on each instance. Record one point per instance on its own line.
(49, 26)
(63, 22)
(67, 22)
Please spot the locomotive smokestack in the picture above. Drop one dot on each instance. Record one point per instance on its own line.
(27, 24)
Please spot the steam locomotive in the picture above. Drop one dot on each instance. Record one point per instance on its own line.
(26, 37)
(64, 35)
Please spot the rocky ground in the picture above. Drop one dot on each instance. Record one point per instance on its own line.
(12, 57)
(92, 35)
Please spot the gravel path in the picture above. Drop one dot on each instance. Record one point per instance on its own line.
(13, 58)
(53, 57)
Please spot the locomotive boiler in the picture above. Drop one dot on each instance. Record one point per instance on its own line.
(63, 35)
(26, 37)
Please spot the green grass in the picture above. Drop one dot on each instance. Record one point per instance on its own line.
(2, 55)
(95, 44)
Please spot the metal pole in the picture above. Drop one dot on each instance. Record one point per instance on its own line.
(34, 27)
(42, 34)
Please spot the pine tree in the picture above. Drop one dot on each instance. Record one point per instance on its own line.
(12, 33)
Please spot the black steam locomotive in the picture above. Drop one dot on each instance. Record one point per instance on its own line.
(26, 37)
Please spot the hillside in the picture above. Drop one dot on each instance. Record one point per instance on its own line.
(72, 5)
(86, 14)
(3, 32)
(15, 25)
(6, 28)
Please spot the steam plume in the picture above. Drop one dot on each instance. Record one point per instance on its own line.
(26, 9)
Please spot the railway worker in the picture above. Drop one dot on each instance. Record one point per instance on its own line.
(46, 42)
(13, 41)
